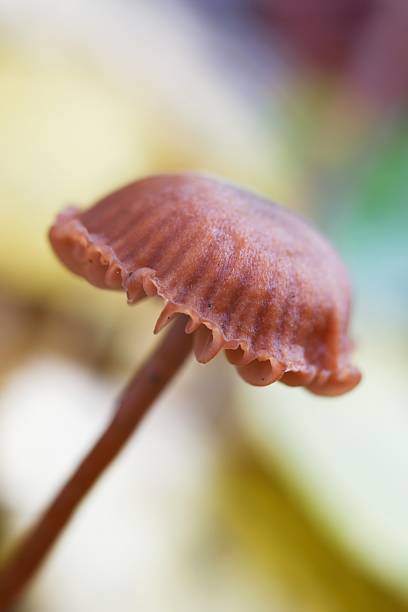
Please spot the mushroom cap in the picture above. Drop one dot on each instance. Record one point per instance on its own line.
(255, 280)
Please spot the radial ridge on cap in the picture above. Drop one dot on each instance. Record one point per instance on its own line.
(254, 279)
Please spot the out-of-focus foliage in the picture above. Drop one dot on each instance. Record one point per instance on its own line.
(285, 548)
(69, 134)
(304, 102)
(371, 217)
(348, 458)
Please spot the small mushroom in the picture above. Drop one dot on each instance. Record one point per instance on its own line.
(253, 279)
(238, 273)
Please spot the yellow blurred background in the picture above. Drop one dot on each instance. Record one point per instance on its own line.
(230, 498)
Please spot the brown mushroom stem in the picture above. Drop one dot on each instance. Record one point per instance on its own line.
(134, 403)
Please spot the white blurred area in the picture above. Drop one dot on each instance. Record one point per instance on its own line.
(347, 458)
(147, 535)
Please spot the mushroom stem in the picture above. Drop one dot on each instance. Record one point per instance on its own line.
(133, 404)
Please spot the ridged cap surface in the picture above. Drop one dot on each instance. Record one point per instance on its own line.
(255, 279)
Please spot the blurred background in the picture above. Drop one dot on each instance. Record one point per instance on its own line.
(230, 498)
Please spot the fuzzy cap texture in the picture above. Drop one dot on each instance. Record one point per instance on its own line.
(255, 280)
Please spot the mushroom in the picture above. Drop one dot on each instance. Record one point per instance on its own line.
(237, 273)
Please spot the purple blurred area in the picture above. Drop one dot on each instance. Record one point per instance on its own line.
(363, 41)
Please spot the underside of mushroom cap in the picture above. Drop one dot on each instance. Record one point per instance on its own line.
(255, 280)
